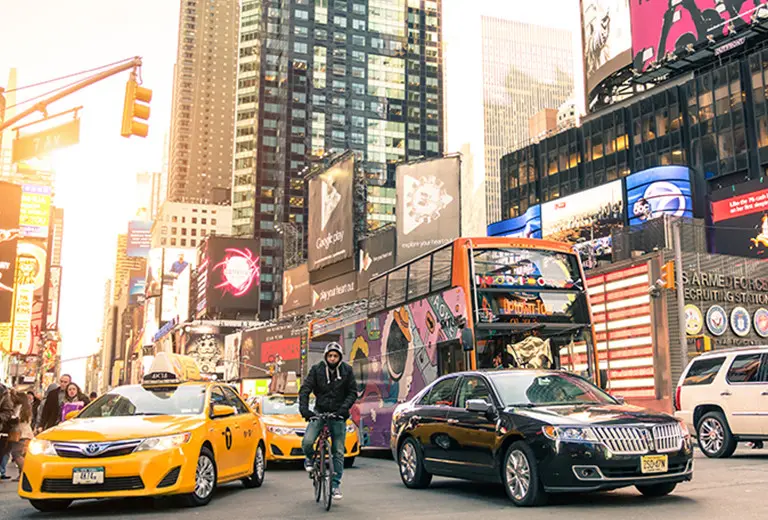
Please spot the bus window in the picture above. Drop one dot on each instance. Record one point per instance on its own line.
(418, 278)
(451, 357)
(441, 269)
(377, 292)
(396, 287)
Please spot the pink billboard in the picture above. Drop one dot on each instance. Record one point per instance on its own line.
(662, 26)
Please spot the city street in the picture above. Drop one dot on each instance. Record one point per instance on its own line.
(736, 487)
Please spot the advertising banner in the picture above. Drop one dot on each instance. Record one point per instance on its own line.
(428, 206)
(232, 356)
(331, 218)
(22, 318)
(377, 256)
(607, 38)
(662, 26)
(665, 190)
(296, 292)
(54, 292)
(527, 225)
(176, 262)
(139, 238)
(10, 205)
(35, 212)
(151, 325)
(273, 349)
(201, 281)
(233, 274)
(208, 351)
(336, 291)
(740, 218)
(154, 274)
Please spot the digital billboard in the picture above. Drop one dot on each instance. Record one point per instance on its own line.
(35, 211)
(207, 350)
(232, 356)
(607, 38)
(665, 190)
(177, 262)
(272, 349)
(527, 225)
(233, 274)
(10, 205)
(336, 291)
(740, 219)
(296, 293)
(428, 211)
(139, 238)
(377, 256)
(331, 218)
(662, 26)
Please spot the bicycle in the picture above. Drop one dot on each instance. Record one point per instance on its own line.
(322, 471)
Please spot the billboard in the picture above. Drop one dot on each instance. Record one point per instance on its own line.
(296, 292)
(665, 190)
(607, 39)
(662, 26)
(428, 210)
(336, 291)
(331, 218)
(740, 218)
(139, 238)
(207, 350)
(377, 256)
(54, 291)
(10, 205)
(35, 211)
(276, 348)
(177, 262)
(233, 274)
(232, 356)
(527, 225)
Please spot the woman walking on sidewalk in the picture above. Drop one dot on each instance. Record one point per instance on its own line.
(21, 433)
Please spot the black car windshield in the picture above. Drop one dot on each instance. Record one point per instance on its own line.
(279, 404)
(136, 400)
(521, 388)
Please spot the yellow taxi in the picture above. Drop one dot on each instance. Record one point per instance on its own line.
(285, 428)
(172, 435)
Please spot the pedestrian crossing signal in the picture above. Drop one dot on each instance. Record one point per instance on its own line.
(703, 343)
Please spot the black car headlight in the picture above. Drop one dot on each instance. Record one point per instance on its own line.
(570, 433)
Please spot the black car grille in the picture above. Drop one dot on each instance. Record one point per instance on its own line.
(633, 470)
(296, 452)
(65, 485)
(277, 451)
(171, 478)
(114, 453)
(96, 450)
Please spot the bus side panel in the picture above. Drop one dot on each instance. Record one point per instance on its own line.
(394, 355)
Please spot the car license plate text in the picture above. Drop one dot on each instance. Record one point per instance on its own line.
(88, 476)
(654, 464)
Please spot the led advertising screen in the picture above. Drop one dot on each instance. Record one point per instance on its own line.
(740, 218)
(233, 274)
(527, 225)
(139, 238)
(607, 38)
(428, 211)
(176, 262)
(35, 212)
(331, 225)
(272, 349)
(296, 293)
(662, 26)
(10, 205)
(665, 190)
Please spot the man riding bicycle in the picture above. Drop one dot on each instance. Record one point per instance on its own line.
(333, 383)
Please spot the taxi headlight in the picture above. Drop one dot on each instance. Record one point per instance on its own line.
(167, 442)
(41, 447)
(351, 427)
(570, 434)
(281, 430)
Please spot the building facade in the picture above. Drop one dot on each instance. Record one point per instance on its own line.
(202, 117)
(323, 76)
(182, 224)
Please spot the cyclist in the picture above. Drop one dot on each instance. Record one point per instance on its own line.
(333, 383)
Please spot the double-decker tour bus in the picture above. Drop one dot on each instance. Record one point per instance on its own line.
(523, 302)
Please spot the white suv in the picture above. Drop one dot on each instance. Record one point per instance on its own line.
(723, 397)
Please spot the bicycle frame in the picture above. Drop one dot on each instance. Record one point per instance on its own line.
(322, 474)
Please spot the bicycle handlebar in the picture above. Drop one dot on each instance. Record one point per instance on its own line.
(326, 416)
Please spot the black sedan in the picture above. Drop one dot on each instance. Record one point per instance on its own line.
(537, 432)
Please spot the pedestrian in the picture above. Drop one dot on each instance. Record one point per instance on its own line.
(21, 433)
(74, 400)
(93, 396)
(6, 424)
(51, 415)
(34, 403)
(39, 416)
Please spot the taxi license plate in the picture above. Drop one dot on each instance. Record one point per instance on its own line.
(654, 464)
(88, 476)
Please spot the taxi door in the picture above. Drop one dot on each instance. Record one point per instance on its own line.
(223, 433)
(246, 436)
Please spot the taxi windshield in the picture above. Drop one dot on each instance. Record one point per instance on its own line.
(279, 404)
(136, 400)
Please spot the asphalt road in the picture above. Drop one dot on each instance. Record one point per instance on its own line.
(732, 488)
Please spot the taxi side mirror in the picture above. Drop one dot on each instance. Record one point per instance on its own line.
(71, 415)
(256, 408)
(221, 410)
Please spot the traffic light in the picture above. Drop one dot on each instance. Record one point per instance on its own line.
(136, 106)
(703, 343)
(668, 275)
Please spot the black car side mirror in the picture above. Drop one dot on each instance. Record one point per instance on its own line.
(479, 406)
(621, 400)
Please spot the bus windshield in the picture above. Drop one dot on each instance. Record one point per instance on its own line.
(526, 268)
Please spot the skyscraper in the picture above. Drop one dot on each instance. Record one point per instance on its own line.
(202, 118)
(322, 76)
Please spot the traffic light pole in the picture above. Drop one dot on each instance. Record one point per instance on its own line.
(42, 106)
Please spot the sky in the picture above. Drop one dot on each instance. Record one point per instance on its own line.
(56, 38)
(95, 179)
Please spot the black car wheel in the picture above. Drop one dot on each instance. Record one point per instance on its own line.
(259, 468)
(521, 476)
(349, 462)
(715, 438)
(50, 506)
(205, 480)
(657, 490)
(411, 464)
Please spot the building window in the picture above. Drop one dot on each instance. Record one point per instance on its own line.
(163, 241)
(193, 232)
(194, 220)
(183, 241)
(174, 218)
(183, 231)
(173, 241)
(213, 221)
(193, 243)
(173, 231)
(183, 220)
(203, 220)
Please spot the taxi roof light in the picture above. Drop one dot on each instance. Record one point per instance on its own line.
(171, 369)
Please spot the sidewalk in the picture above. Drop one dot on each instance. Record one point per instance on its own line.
(8, 488)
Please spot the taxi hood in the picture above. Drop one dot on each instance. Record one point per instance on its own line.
(100, 429)
(288, 420)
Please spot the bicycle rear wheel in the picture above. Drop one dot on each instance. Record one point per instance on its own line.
(328, 475)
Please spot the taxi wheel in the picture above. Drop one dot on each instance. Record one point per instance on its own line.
(349, 462)
(50, 506)
(205, 480)
(259, 468)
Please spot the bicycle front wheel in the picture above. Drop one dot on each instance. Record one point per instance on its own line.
(328, 475)
(317, 481)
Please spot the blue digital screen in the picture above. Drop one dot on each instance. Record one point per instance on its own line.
(658, 191)
(527, 225)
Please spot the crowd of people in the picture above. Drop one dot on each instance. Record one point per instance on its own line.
(24, 414)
